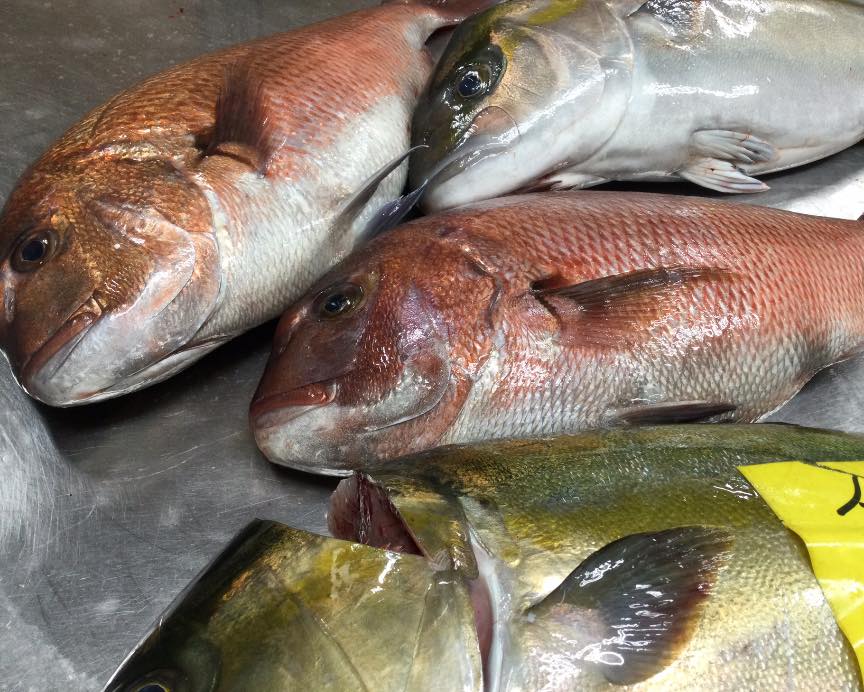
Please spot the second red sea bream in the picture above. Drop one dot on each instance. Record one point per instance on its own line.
(551, 313)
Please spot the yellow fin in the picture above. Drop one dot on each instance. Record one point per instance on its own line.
(824, 504)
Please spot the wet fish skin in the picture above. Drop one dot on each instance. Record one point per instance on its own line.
(551, 313)
(568, 92)
(282, 609)
(198, 203)
(531, 511)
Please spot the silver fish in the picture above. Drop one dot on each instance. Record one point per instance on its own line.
(572, 93)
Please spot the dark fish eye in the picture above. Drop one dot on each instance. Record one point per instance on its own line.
(339, 300)
(34, 250)
(470, 84)
(152, 687)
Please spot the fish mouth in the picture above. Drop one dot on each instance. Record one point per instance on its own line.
(51, 355)
(42, 367)
(306, 430)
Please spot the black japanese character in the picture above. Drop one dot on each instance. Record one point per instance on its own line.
(856, 498)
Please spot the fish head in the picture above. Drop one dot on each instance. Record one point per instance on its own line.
(108, 266)
(282, 609)
(366, 365)
(522, 90)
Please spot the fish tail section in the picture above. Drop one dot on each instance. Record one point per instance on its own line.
(646, 590)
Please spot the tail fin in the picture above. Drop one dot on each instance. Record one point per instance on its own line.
(453, 11)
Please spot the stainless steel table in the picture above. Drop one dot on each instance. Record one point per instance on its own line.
(107, 511)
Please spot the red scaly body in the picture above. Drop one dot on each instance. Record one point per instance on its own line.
(546, 314)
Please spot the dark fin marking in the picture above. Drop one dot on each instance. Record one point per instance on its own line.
(613, 309)
(676, 412)
(243, 128)
(354, 206)
(647, 590)
(683, 17)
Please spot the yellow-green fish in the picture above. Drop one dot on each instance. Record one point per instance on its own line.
(637, 558)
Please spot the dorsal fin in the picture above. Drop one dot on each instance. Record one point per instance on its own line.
(613, 308)
(645, 592)
(243, 128)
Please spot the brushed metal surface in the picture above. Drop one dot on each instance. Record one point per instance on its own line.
(107, 511)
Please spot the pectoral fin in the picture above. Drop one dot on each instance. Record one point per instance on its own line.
(721, 176)
(567, 180)
(354, 207)
(736, 147)
(610, 310)
(243, 129)
(676, 412)
(392, 214)
(647, 591)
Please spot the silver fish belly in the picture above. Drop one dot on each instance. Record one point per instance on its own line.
(717, 96)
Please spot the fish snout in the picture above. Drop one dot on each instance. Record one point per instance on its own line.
(299, 428)
(40, 372)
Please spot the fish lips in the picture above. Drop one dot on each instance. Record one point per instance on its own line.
(35, 375)
(276, 409)
(38, 377)
(280, 423)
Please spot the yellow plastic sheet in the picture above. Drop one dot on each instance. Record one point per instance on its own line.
(824, 505)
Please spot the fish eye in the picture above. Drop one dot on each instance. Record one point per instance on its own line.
(339, 300)
(470, 84)
(33, 250)
(152, 687)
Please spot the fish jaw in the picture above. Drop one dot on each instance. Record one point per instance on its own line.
(469, 173)
(50, 392)
(308, 430)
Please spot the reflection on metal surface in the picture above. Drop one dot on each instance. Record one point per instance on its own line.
(108, 511)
